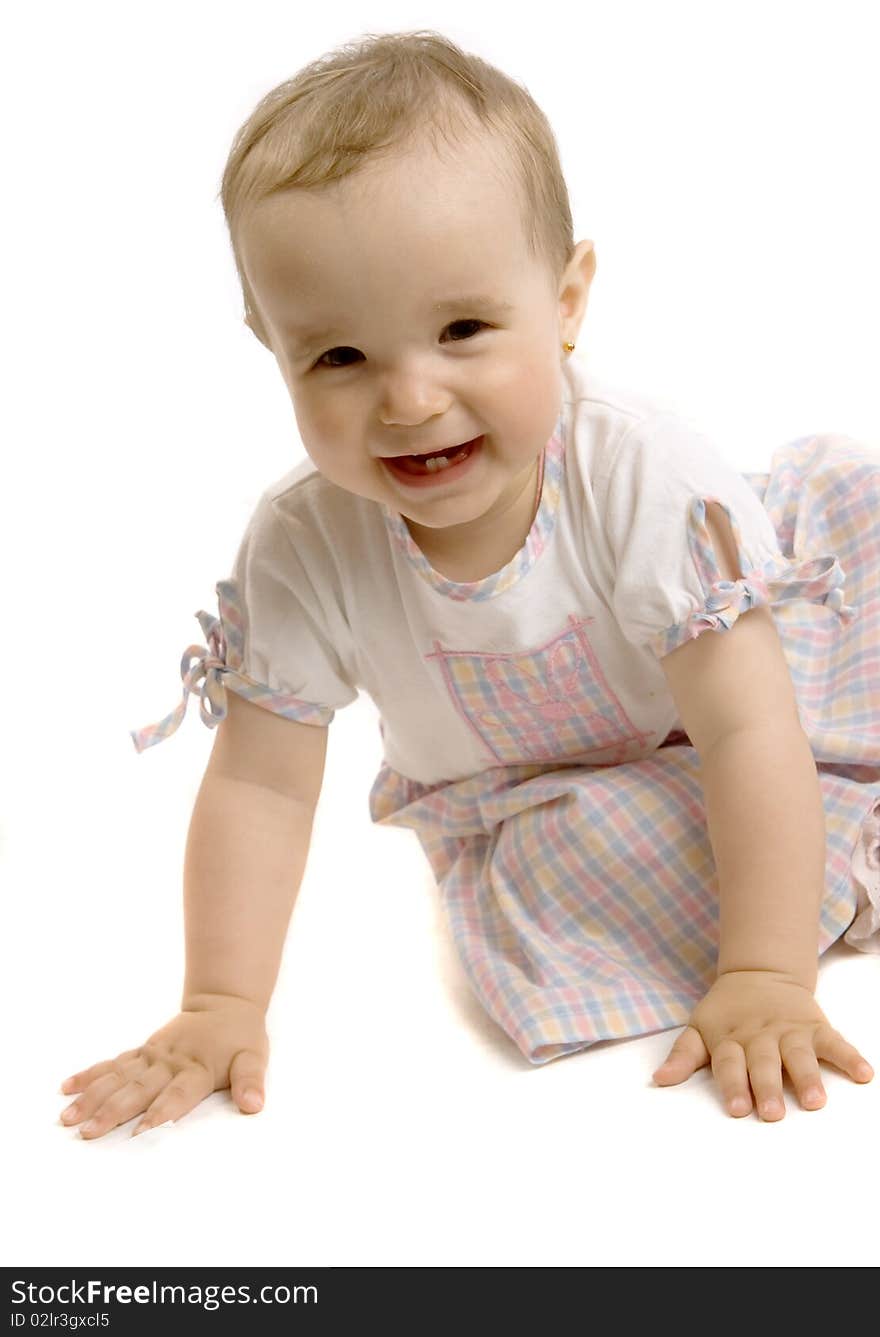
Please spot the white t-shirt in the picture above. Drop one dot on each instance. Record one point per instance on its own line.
(555, 658)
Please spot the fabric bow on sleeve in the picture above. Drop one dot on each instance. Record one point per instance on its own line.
(201, 668)
(817, 579)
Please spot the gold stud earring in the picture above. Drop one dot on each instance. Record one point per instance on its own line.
(568, 346)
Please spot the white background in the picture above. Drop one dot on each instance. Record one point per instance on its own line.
(723, 157)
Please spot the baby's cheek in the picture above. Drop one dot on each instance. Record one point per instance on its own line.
(533, 397)
(319, 425)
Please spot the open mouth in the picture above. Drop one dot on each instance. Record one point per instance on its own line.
(436, 464)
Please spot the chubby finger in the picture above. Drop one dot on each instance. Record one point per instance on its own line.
(801, 1064)
(80, 1080)
(182, 1093)
(684, 1058)
(247, 1073)
(114, 1076)
(765, 1074)
(831, 1046)
(730, 1070)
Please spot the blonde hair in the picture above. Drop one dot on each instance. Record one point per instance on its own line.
(367, 98)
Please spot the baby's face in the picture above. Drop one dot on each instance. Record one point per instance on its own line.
(407, 316)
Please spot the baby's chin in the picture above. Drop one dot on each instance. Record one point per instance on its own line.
(451, 515)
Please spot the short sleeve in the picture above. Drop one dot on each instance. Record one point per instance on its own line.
(280, 638)
(668, 587)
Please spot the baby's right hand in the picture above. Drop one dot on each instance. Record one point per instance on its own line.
(218, 1042)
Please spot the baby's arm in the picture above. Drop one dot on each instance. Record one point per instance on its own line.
(766, 824)
(246, 853)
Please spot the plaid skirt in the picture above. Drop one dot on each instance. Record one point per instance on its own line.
(583, 900)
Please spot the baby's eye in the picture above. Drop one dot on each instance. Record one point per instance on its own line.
(470, 327)
(333, 353)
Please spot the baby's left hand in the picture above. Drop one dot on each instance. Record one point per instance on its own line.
(750, 1024)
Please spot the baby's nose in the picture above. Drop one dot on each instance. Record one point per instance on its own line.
(409, 398)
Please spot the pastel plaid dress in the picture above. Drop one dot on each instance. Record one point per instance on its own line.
(582, 897)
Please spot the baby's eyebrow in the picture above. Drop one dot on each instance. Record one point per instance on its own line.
(470, 303)
(448, 304)
(308, 338)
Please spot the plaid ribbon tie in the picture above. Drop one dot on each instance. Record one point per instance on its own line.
(201, 669)
(819, 579)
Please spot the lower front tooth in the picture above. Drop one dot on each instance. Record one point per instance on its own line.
(437, 462)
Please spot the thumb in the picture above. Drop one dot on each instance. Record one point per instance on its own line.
(684, 1058)
(247, 1073)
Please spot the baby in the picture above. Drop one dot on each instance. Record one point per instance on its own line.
(649, 801)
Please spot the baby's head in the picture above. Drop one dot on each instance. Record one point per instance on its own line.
(403, 236)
